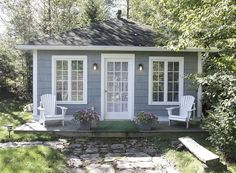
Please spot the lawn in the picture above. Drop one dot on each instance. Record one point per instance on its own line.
(184, 160)
(31, 159)
(11, 112)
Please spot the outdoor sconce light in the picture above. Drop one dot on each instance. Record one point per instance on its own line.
(9, 129)
(140, 67)
(95, 66)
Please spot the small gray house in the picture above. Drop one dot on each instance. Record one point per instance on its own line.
(113, 67)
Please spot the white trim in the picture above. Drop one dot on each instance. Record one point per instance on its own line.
(199, 92)
(85, 76)
(131, 58)
(150, 82)
(109, 48)
(35, 84)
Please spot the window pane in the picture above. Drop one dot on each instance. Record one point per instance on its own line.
(74, 65)
(61, 80)
(170, 66)
(170, 97)
(80, 65)
(124, 96)
(155, 86)
(110, 76)
(65, 65)
(170, 76)
(59, 65)
(161, 76)
(176, 87)
(170, 86)
(124, 66)
(154, 96)
(161, 96)
(117, 66)
(161, 66)
(161, 86)
(117, 76)
(176, 76)
(173, 84)
(176, 96)
(110, 66)
(155, 65)
(155, 76)
(176, 66)
(110, 107)
(76, 80)
(59, 96)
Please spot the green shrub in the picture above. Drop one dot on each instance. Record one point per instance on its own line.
(220, 97)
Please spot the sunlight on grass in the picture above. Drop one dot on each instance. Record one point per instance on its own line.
(31, 159)
(11, 112)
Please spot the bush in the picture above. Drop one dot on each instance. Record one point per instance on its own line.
(220, 96)
(86, 115)
(146, 117)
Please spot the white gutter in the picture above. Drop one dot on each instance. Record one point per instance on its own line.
(109, 48)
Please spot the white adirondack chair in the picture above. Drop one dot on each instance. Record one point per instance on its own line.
(47, 109)
(186, 108)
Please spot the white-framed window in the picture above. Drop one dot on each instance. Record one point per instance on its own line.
(69, 79)
(165, 80)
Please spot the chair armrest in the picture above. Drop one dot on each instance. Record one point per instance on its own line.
(171, 108)
(41, 109)
(63, 109)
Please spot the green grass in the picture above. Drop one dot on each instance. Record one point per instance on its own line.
(11, 112)
(31, 159)
(116, 126)
(184, 160)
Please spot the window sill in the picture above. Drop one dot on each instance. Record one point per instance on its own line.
(163, 103)
(71, 102)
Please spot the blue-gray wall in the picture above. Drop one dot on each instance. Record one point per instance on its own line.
(94, 78)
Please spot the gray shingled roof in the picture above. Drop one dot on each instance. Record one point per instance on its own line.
(113, 32)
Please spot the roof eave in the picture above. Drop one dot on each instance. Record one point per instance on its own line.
(110, 48)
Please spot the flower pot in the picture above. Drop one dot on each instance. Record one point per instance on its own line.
(145, 126)
(85, 125)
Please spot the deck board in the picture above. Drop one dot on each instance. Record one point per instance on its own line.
(199, 151)
(72, 129)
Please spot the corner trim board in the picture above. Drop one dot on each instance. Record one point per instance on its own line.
(199, 93)
(35, 84)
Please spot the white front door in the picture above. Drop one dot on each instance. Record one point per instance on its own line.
(118, 87)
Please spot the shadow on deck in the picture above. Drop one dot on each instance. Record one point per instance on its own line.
(71, 129)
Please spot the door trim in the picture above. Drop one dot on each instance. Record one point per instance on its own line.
(105, 56)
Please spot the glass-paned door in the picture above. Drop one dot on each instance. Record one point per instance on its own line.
(117, 89)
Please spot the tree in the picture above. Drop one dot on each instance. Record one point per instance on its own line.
(94, 10)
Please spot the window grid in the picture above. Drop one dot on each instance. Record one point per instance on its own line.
(70, 80)
(77, 80)
(117, 86)
(62, 80)
(170, 78)
(173, 81)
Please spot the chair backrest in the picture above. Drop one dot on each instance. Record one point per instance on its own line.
(186, 104)
(49, 104)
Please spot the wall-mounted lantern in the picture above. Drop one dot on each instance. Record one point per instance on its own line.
(140, 67)
(95, 66)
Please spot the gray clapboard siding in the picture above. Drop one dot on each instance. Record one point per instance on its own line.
(94, 78)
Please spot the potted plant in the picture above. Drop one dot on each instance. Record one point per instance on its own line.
(146, 120)
(85, 117)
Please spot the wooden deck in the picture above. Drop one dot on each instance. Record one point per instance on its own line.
(71, 129)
